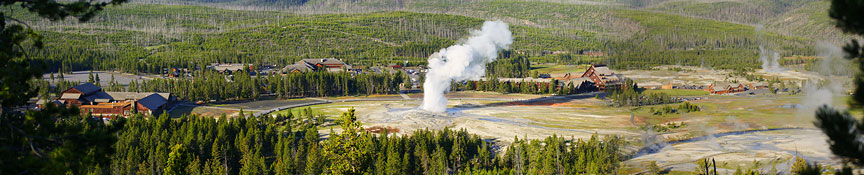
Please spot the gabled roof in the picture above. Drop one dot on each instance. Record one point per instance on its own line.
(70, 96)
(87, 88)
(299, 67)
(127, 95)
(152, 101)
(43, 101)
(581, 79)
(98, 95)
(165, 95)
(325, 61)
(721, 86)
(603, 70)
(578, 81)
(229, 67)
(613, 78)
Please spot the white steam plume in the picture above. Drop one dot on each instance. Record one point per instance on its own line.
(770, 60)
(466, 61)
(822, 92)
(832, 60)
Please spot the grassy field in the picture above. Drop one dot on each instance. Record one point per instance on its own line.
(209, 111)
(723, 114)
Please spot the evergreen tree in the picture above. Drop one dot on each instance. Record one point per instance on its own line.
(344, 150)
(394, 158)
(90, 77)
(98, 81)
(843, 130)
(439, 162)
(314, 161)
(177, 161)
(55, 140)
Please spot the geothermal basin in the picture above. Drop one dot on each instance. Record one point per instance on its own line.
(502, 117)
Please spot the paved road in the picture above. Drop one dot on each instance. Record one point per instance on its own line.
(270, 104)
(307, 102)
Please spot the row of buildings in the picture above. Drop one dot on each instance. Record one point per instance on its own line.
(601, 77)
(596, 77)
(726, 88)
(304, 65)
(91, 99)
(715, 88)
(326, 64)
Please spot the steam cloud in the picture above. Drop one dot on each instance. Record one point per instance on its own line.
(466, 61)
(769, 59)
(831, 63)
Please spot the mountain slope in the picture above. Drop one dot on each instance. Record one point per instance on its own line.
(738, 11)
(809, 21)
(140, 37)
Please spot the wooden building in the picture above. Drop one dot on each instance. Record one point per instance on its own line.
(91, 99)
(326, 64)
(725, 88)
(602, 76)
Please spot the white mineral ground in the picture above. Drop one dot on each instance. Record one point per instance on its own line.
(704, 76)
(498, 122)
(780, 146)
(582, 117)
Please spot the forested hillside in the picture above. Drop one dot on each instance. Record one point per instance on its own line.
(743, 11)
(810, 21)
(801, 18)
(165, 37)
(147, 38)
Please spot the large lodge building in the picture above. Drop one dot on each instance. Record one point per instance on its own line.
(306, 65)
(90, 98)
(598, 74)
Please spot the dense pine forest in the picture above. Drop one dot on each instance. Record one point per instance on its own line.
(290, 144)
(241, 85)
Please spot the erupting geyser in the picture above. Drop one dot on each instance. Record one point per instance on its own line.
(466, 61)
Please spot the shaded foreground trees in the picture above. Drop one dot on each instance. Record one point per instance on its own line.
(844, 131)
(54, 140)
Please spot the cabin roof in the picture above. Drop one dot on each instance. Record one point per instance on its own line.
(152, 101)
(70, 96)
(87, 88)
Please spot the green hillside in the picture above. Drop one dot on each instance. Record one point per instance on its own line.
(147, 38)
(809, 21)
(189, 36)
(738, 11)
(676, 40)
(638, 38)
(801, 18)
